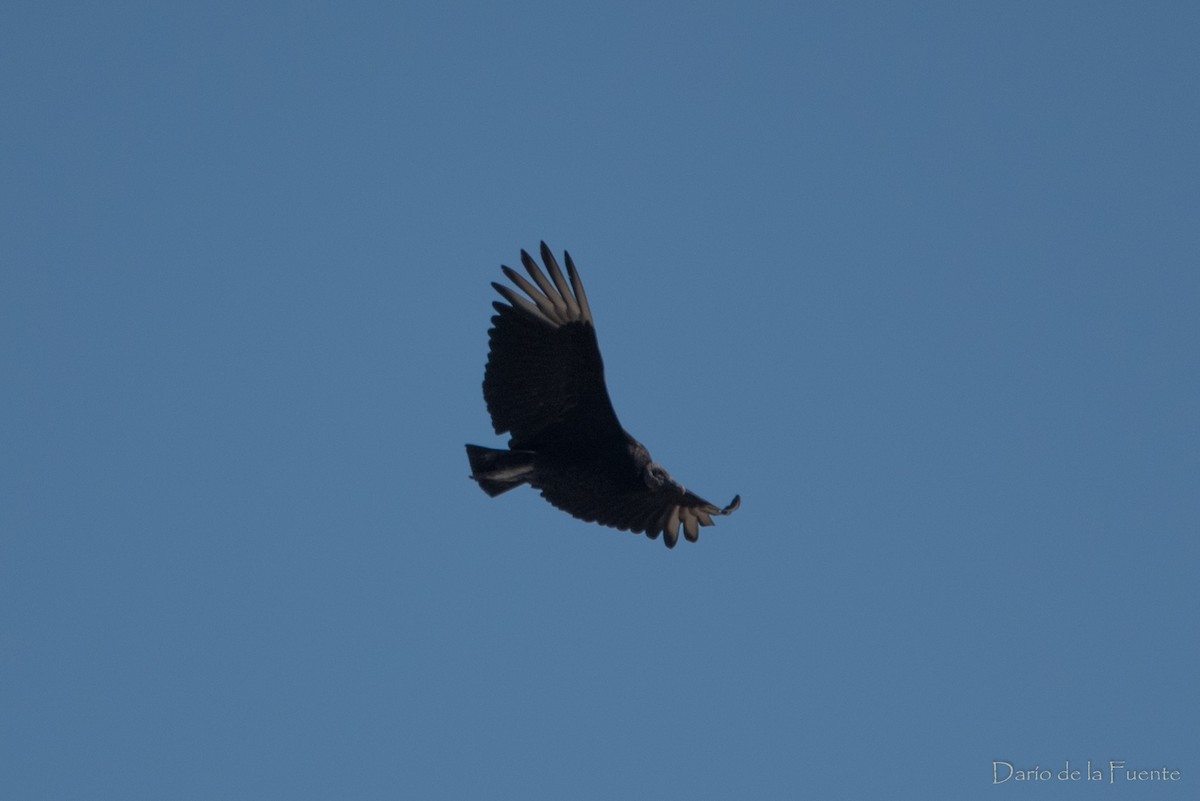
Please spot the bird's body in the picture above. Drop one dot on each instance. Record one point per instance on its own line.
(544, 384)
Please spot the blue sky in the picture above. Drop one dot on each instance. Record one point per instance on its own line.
(919, 282)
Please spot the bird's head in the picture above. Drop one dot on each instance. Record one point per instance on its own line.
(656, 477)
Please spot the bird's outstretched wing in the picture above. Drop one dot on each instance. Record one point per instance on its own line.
(544, 381)
(641, 510)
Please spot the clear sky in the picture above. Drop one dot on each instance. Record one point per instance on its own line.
(921, 282)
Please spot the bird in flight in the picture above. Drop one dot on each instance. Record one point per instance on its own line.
(544, 385)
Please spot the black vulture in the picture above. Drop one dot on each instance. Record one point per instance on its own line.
(544, 385)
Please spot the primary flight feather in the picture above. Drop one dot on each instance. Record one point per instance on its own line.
(544, 385)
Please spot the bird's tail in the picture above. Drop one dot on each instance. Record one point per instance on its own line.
(499, 471)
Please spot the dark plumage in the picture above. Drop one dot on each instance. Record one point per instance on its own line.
(544, 384)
